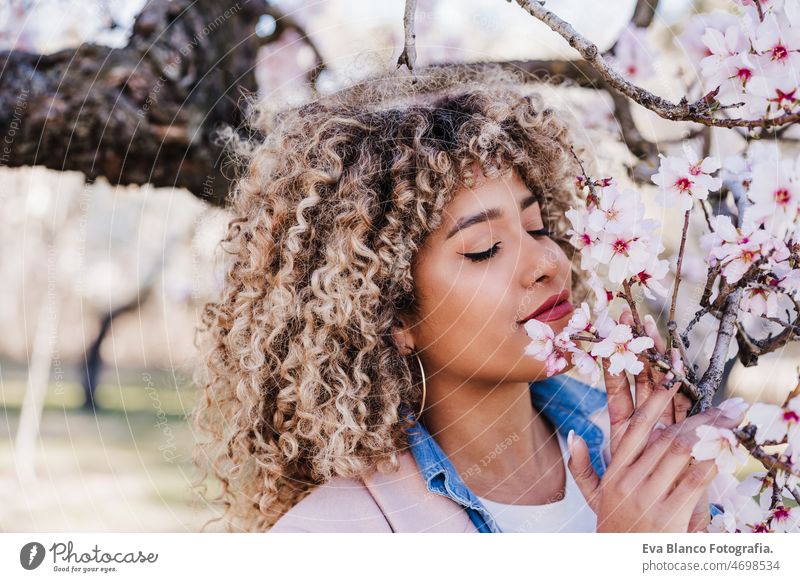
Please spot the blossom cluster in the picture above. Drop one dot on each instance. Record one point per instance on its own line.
(752, 60)
(759, 503)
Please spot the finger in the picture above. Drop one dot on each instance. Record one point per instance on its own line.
(692, 485)
(581, 468)
(682, 404)
(655, 433)
(620, 402)
(651, 329)
(701, 514)
(667, 457)
(641, 423)
(649, 377)
(668, 415)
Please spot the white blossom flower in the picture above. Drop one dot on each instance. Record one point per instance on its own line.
(775, 193)
(622, 348)
(581, 236)
(719, 444)
(760, 301)
(581, 320)
(633, 54)
(625, 253)
(542, 336)
(736, 249)
(616, 211)
(681, 180)
(774, 423)
(586, 365)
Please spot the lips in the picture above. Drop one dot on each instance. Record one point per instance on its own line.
(555, 307)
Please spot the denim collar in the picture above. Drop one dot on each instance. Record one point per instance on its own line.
(566, 402)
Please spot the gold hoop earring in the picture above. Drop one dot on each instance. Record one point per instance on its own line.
(422, 371)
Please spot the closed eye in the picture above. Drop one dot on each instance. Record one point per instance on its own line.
(482, 256)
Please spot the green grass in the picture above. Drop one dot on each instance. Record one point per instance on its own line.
(126, 468)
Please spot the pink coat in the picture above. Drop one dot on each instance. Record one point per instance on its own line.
(395, 503)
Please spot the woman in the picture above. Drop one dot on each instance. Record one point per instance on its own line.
(366, 368)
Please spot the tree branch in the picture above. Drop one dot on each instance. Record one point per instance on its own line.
(409, 55)
(697, 112)
(144, 113)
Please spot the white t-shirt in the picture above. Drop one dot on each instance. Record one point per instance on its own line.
(570, 514)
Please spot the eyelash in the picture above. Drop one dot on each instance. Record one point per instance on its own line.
(478, 257)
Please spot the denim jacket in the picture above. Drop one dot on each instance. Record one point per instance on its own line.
(568, 404)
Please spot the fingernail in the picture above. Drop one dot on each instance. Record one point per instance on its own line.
(659, 425)
(734, 407)
(570, 440)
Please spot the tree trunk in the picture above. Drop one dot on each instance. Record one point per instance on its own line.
(145, 113)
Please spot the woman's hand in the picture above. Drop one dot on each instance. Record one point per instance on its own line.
(652, 484)
(621, 404)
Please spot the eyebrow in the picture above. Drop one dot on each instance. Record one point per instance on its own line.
(489, 214)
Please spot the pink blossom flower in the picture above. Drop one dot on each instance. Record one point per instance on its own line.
(735, 249)
(634, 55)
(617, 211)
(625, 253)
(603, 296)
(776, 196)
(546, 346)
(681, 180)
(777, 43)
(727, 67)
(719, 444)
(622, 348)
(650, 279)
(581, 236)
(581, 320)
(760, 301)
(557, 360)
(785, 519)
(774, 423)
(542, 336)
(586, 365)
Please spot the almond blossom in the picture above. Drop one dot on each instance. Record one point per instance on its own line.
(719, 444)
(586, 365)
(633, 54)
(622, 348)
(616, 211)
(581, 236)
(542, 336)
(626, 253)
(774, 423)
(681, 180)
(735, 249)
(760, 301)
(775, 193)
(650, 279)
(727, 67)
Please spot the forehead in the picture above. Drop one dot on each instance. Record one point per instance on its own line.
(502, 192)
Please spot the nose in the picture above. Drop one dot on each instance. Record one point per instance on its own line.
(541, 261)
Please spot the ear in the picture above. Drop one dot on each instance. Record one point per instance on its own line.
(403, 338)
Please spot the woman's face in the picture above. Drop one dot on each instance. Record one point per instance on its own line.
(478, 276)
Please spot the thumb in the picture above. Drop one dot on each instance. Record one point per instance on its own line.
(581, 468)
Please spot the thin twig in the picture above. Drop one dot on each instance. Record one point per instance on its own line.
(634, 311)
(681, 251)
(770, 462)
(409, 55)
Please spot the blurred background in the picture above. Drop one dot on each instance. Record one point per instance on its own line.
(112, 197)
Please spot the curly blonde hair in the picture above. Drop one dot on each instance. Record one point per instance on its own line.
(302, 380)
